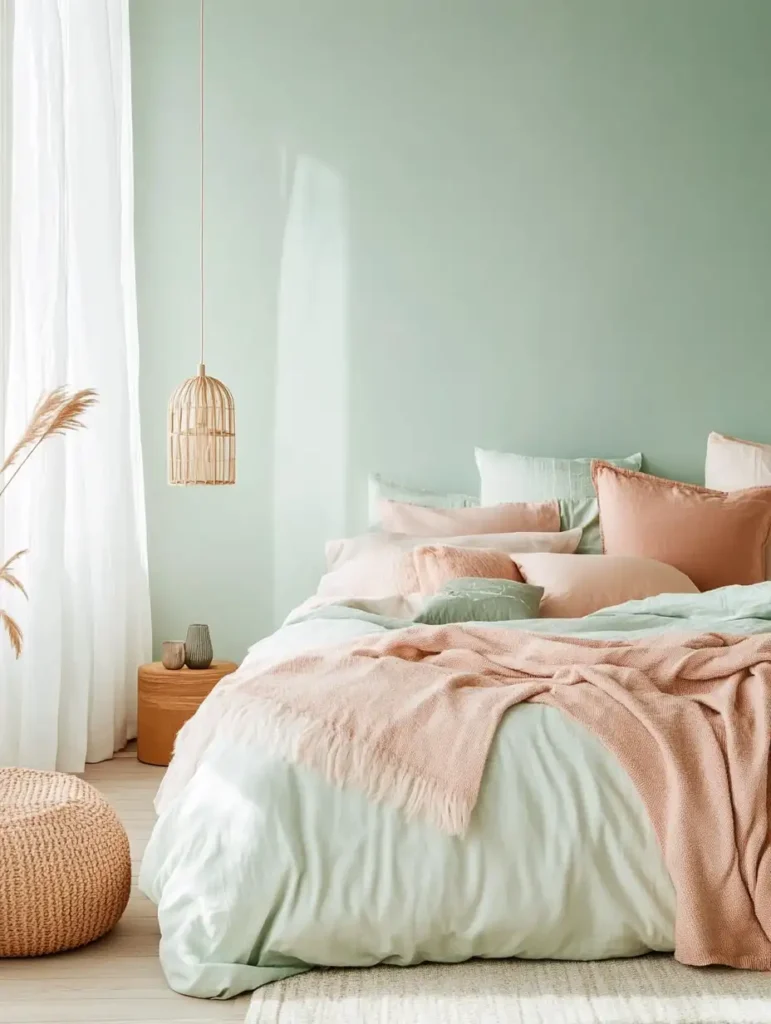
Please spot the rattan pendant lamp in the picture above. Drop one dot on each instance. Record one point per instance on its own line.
(202, 416)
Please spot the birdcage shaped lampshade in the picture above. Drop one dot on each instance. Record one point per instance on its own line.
(202, 416)
(202, 432)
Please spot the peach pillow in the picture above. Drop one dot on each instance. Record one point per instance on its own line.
(576, 585)
(511, 517)
(428, 568)
(715, 538)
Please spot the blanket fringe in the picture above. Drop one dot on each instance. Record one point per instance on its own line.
(343, 760)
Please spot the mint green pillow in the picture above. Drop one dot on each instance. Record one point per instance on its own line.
(506, 476)
(472, 599)
(586, 514)
(378, 488)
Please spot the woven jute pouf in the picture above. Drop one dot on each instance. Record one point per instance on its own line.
(65, 866)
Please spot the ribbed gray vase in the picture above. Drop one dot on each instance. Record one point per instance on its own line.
(198, 649)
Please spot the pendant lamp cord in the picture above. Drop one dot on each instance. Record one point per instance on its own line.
(201, 142)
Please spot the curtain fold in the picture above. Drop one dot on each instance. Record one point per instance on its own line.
(79, 503)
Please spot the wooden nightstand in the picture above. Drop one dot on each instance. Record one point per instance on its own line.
(165, 701)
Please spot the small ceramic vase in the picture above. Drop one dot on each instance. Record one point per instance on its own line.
(172, 654)
(198, 649)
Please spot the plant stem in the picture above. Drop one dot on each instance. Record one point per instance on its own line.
(31, 451)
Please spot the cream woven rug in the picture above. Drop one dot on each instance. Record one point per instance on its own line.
(648, 989)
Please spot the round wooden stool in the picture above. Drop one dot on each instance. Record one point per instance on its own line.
(165, 701)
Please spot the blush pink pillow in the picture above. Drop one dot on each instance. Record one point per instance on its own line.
(715, 538)
(428, 568)
(339, 552)
(385, 569)
(576, 585)
(512, 517)
(374, 571)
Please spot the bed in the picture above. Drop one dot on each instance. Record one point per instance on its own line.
(262, 868)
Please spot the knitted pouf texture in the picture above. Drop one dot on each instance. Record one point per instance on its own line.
(65, 866)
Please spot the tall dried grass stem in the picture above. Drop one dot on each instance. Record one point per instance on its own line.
(55, 413)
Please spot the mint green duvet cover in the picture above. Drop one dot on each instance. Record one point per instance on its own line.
(261, 869)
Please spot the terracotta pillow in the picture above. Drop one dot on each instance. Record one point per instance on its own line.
(427, 569)
(511, 517)
(734, 465)
(716, 539)
(576, 585)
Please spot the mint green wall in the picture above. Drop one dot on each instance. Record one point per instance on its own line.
(542, 225)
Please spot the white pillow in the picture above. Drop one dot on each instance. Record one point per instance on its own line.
(506, 476)
(338, 552)
(733, 465)
(378, 488)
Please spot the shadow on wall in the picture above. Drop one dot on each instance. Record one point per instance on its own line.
(311, 455)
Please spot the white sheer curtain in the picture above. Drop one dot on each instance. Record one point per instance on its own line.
(70, 318)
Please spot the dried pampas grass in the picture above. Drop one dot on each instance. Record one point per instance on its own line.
(56, 413)
(15, 634)
(6, 576)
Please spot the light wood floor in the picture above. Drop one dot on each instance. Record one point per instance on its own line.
(119, 978)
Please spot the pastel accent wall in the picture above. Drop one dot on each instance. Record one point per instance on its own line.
(541, 225)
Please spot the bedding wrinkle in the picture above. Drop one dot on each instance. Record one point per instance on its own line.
(260, 865)
(409, 719)
(380, 887)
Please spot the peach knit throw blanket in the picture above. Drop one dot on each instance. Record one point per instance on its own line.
(410, 718)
